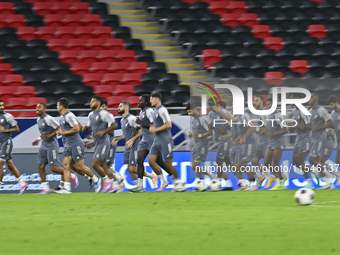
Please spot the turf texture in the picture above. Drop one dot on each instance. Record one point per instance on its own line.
(260, 222)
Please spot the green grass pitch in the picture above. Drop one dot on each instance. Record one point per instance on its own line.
(260, 222)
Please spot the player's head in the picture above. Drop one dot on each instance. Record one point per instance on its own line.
(269, 103)
(124, 107)
(96, 102)
(40, 109)
(2, 106)
(62, 104)
(211, 102)
(333, 102)
(314, 99)
(104, 105)
(258, 102)
(156, 99)
(144, 101)
(192, 110)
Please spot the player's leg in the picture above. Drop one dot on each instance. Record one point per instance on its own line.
(267, 163)
(16, 173)
(277, 154)
(317, 150)
(220, 159)
(80, 165)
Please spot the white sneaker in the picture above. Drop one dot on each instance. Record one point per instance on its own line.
(327, 186)
(98, 185)
(63, 191)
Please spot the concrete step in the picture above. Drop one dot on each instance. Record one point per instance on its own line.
(144, 30)
(139, 24)
(161, 48)
(121, 6)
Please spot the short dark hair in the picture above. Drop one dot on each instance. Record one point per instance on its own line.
(1, 100)
(44, 105)
(211, 101)
(104, 102)
(99, 98)
(126, 103)
(156, 94)
(191, 107)
(270, 99)
(259, 96)
(332, 99)
(64, 102)
(146, 99)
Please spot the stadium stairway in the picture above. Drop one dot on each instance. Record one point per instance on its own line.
(160, 44)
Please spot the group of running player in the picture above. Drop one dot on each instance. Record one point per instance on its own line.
(242, 143)
(237, 145)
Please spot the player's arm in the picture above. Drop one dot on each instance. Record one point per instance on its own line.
(133, 139)
(117, 139)
(323, 113)
(234, 143)
(50, 121)
(226, 116)
(224, 137)
(74, 123)
(248, 133)
(166, 120)
(15, 128)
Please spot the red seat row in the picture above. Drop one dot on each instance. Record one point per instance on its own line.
(10, 80)
(83, 44)
(109, 56)
(114, 79)
(222, 7)
(62, 8)
(109, 90)
(73, 20)
(21, 91)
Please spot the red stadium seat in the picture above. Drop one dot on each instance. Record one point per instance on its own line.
(133, 101)
(84, 32)
(126, 91)
(76, 44)
(13, 80)
(107, 56)
(103, 32)
(249, 19)
(112, 79)
(114, 101)
(104, 90)
(6, 8)
(73, 20)
(318, 31)
(62, 8)
(15, 20)
(138, 67)
(5, 69)
(318, 1)
(95, 44)
(274, 78)
(27, 114)
(300, 66)
(92, 79)
(261, 31)
(88, 56)
(237, 7)
(231, 19)
(80, 8)
(219, 7)
(43, 8)
(132, 79)
(210, 57)
(207, 1)
(80, 68)
(126, 56)
(275, 43)
(54, 20)
(7, 92)
(25, 92)
(114, 44)
(119, 67)
(46, 33)
(100, 67)
(26, 33)
(57, 44)
(68, 56)
(65, 32)
(92, 20)
(16, 103)
(33, 101)
(3, 22)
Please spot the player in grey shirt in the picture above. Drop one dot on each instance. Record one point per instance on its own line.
(131, 136)
(320, 120)
(163, 143)
(7, 126)
(200, 133)
(69, 128)
(144, 121)
(49, 149)
(276, 142)
(262, 142)
(100, 122)
(335, 106)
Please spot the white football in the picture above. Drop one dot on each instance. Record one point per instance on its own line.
(243, 184)
(179, 186)
(200, 186)
(304, 196)
(215, 185)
